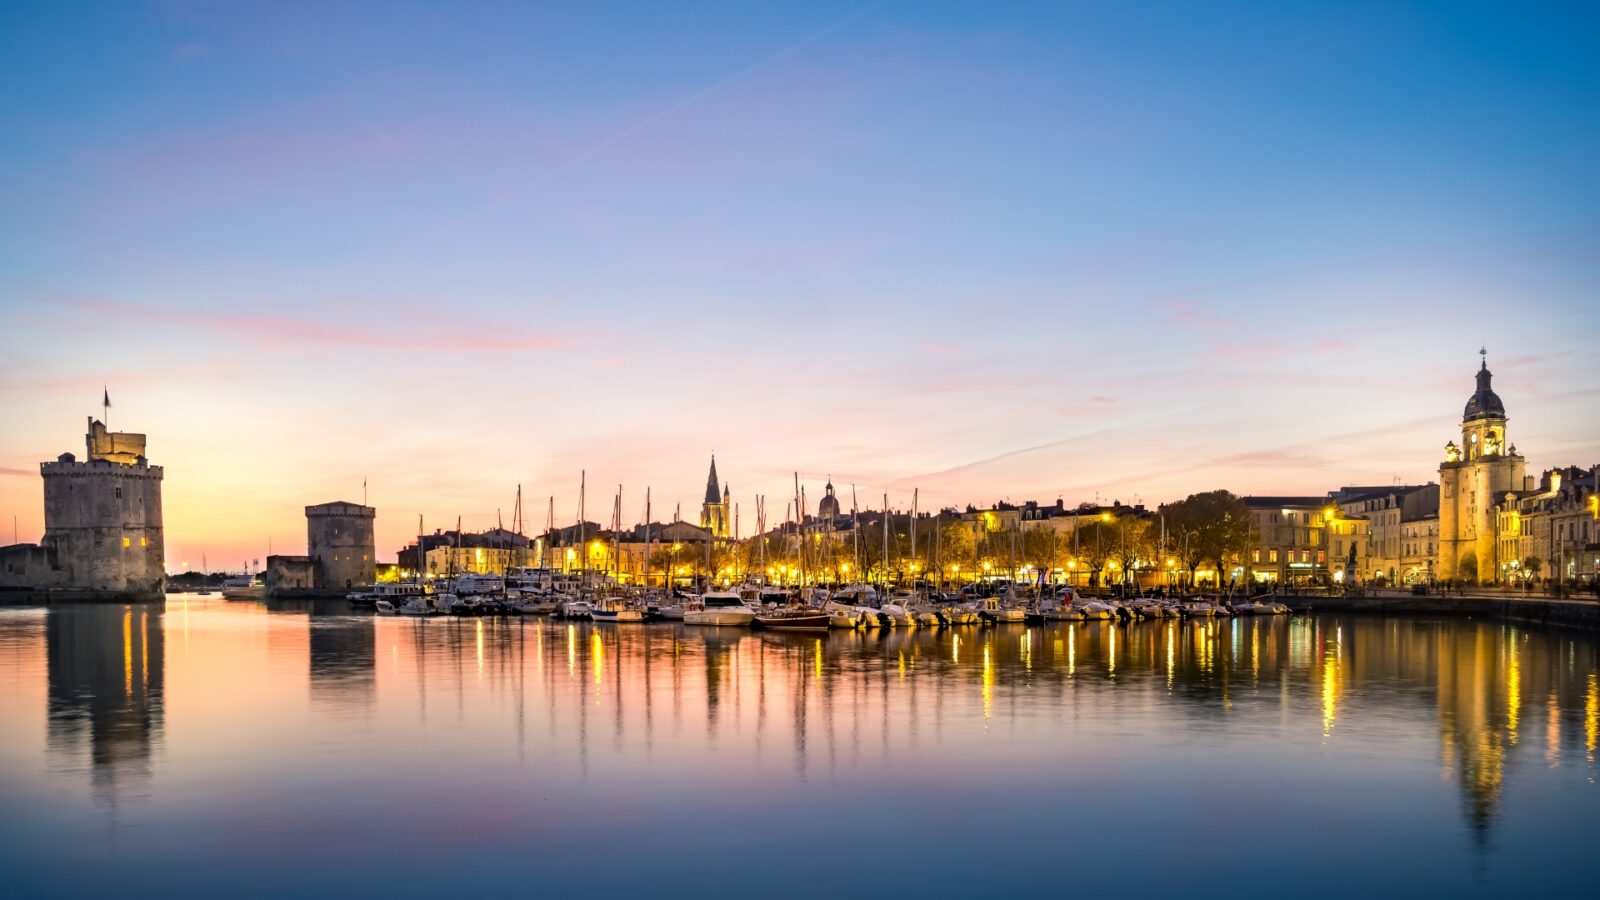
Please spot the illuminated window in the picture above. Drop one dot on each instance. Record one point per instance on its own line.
(1322, 557)
(144, 542)
(127, 542)
(1272, 555)
(1257, 556)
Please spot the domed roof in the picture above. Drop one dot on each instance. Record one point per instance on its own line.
(1485, 403)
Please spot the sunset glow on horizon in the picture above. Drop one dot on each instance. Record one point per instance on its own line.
(994, 252)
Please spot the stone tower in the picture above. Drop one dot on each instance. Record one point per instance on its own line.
(1471, 479)
(102, 518)
(340, 543)
(714, 511)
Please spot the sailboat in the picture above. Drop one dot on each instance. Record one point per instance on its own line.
(205, 572)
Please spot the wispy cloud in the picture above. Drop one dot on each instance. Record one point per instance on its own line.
(18, 473)
(1189, 314)
(278, 331)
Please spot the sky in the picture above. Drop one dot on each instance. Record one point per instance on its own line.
(980, 251)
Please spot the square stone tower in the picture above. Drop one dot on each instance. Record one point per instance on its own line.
(340, 542)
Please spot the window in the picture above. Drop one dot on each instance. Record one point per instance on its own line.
(144, 542)
(1257, 556)
(119, 493)
(1322, 557)
(1272, 555)
(126, 543)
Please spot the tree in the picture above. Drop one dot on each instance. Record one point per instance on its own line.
(1213, 526)
(1532, 566)
(1096, 540)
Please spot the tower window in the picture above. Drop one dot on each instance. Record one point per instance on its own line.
(119, 493)
(126, 543)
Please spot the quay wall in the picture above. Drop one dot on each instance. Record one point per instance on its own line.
(1535, 610)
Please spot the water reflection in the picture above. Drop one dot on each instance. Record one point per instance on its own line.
(105, 669)
(1321, 702)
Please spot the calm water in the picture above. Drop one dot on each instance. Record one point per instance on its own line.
(208, 748)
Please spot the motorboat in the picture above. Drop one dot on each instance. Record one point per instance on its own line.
(896, 611)
(842, 616)
(615, 609)
(794, 618)
(720, 608)
(383, 607)
(993, 611)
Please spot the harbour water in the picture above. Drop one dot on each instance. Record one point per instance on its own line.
(209, 748)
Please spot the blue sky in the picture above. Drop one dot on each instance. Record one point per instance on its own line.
(983, 250)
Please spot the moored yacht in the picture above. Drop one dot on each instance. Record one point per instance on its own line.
(720, 608)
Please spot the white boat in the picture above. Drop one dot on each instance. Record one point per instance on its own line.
(720, 608)
(419, 605)
(384, 608)
(895, 610)
(994, 611)
(842, 616)
(1095, 609)
(615, 609)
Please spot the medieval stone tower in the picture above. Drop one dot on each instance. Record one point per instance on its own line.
(340, 543)
(102, 518)
(714, 511)
(1472, 478)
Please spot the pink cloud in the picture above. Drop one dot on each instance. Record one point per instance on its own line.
(1188, 314)
(18, 473)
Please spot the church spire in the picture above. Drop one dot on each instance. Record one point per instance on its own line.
(713, 493)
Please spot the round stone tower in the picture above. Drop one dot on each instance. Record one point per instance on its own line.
(340, 543)
(102, 518)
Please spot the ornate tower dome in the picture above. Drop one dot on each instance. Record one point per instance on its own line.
(1484, 403)
(828, 507)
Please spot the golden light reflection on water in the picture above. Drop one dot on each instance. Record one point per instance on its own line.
(1513, 687)
(988, 680)
(1591, 717)
(1552, 731)
(127, 650)
(737, 692)
(1172, 651)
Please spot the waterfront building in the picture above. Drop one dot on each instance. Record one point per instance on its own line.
(1387, 510)
(1551, 530)
(1304, 540)
(102, 524)
(1473, 477)
(1419, 548)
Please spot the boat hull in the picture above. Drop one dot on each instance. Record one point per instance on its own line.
(807, 622)
(715, 617)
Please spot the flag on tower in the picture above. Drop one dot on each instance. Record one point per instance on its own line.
(107, 403)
